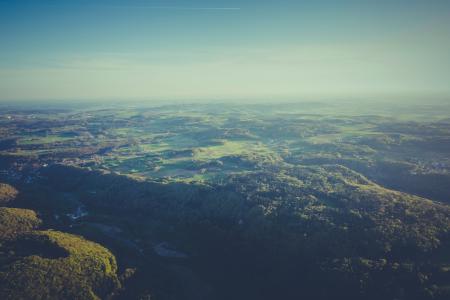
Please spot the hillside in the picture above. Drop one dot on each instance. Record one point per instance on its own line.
(67, 267)
(7, 194)
(49, 264)
(326, 228)
(15, 221)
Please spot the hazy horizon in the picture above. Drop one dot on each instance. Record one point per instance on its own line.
(219, 50)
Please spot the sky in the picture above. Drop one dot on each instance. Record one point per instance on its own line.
(218, 50)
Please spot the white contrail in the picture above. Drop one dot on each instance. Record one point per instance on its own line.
(200, 8)
(181, 8)
(142, 7)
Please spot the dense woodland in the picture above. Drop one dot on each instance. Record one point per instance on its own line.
(47, 264)
(222, 205)
(316, 231)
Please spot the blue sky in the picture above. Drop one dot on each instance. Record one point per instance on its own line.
(223, 49)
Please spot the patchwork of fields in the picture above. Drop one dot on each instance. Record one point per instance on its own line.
(206, 143)
(229, 201)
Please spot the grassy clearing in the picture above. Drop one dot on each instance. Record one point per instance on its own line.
(230, 148)
(36, 140)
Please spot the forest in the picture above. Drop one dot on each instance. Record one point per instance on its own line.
(220, 202)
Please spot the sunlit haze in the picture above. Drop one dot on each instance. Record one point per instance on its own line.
(223, 49)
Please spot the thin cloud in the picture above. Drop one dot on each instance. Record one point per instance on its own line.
(125, 6)
(193, 8)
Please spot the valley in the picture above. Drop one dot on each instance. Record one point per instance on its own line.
(236, 201)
